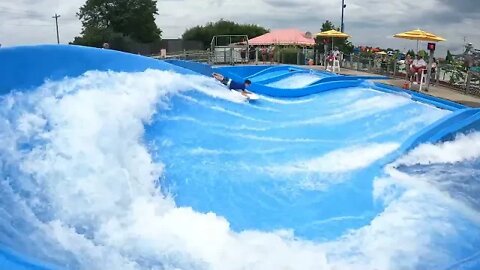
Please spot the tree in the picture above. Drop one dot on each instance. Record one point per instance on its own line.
(328, 25)
(423, 54)
(103, 20)
(449, 58)
(222, 27)
(343, 44)
(411, 53)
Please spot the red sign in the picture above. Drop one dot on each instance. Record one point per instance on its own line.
(431, 46)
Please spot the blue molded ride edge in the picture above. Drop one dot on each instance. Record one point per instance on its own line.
(279, 77)
(201, 68)
(249, 70)
(468, 125)
(268, 70)
(416, 96)
(329, 78)
(346, 78)
(27, 67)
(11, 260)
(445, 128)
(301, 92)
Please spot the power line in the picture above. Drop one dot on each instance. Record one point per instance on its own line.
(56, 24)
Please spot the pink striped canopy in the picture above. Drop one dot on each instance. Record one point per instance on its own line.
(283, 37)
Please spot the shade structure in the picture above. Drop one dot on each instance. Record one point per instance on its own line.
(332, 34)
(283, 37)
(419, 35)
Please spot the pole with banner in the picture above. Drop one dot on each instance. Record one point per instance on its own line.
(431, 49)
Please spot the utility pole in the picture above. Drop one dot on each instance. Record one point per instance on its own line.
(342, 26)
(56, 24)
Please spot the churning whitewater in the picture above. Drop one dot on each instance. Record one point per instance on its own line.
(156, 170)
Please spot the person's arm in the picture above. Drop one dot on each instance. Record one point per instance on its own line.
(218, 76)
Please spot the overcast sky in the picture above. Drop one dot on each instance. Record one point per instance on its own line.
(370, 22)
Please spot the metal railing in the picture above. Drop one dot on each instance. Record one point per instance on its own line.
(229, 49)
(445, 74)
(472, 85)
(198, 56)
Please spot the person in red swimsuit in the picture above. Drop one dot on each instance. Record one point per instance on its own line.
(418, 66)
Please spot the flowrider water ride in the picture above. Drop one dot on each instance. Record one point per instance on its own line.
(117, 161)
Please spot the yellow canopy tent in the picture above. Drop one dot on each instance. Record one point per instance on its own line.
(331, 34)
(420, 35)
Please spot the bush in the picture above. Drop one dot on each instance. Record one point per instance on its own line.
(289, 55)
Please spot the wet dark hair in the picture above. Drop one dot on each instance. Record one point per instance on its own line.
(248, 82)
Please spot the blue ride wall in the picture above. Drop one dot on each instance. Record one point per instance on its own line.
(23, 68)
(29, 66)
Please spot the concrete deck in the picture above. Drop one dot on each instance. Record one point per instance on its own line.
(437, 91)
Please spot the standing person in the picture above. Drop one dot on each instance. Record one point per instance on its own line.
(243, 55)
(408, 67)
(434, 71)
(336, 54)
(271, 53)
(264, 54)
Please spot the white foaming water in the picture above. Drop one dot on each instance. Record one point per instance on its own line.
(335, 165)
(295, 81)
(359, 109)
(287, 101)
(466, 147)
(342, 160)
(212, 124)
(195, 101)
(90, 171)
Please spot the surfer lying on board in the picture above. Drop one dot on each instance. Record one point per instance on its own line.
(233, 85)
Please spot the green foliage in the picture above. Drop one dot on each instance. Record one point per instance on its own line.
(411, 53)
(289, 55)
(424, 54)
(328, 25)
(457, 72)
(367, 54)
(342, 44)
(395, 56)
(222, 27)
(103, 20)
(449, 58)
